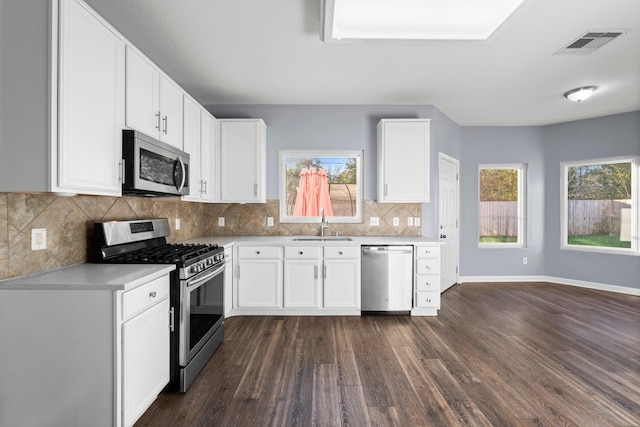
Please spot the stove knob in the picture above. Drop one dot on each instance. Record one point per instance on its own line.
(192, 269)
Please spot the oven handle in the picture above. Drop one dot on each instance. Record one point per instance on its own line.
(198, 282)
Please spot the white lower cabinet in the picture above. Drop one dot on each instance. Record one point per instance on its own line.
(302, 280)
(427, 280)
(75, 356)
(342, 277)
(259, 277)
(145, 349)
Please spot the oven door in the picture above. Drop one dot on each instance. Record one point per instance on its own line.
(201, 311)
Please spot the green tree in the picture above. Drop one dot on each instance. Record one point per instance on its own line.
(498, 185)
(600, 182)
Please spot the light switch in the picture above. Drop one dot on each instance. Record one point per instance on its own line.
(374, 221)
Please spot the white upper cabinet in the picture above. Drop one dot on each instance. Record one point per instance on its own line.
(90, 99)
(403, 160)
(199, 142)
(153, 101)
(207, 155)
(241, 161)
(73, 145)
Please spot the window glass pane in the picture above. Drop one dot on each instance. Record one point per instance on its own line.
(499, 210)
(599, 205)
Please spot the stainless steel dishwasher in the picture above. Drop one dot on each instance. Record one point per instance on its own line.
(387, 278)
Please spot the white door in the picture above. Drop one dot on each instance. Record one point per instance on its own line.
(171, 113)
(448, 190)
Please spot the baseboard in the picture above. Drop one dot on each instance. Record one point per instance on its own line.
(550, 279)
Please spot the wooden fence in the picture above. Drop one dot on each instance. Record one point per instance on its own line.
(498, 218)
(595, 217)
(585, 217)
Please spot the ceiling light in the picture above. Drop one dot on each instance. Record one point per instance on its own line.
(580, 94)
(414, 19)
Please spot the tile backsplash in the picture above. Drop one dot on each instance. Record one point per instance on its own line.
(69, 223)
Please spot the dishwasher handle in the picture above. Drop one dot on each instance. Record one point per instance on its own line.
(384, 250)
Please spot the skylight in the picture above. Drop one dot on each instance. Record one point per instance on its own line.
(414, 19)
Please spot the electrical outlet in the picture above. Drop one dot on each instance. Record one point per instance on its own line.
(38, 239)
(269, 221)
(410, 221)
(525, 260)
(396, 221)
(220, 221)
(374, 221)
(177, 223)
(416, 221)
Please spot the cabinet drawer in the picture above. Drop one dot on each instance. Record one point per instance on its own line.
(427, 251)
(428, 266)
(337, 252)
(145, 296)
(297, 252)
(257, 252)
(428, 282)
(428, 299)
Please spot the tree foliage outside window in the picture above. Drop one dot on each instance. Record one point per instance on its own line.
(501, 205)
(599, 200)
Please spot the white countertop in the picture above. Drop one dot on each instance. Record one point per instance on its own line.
(112, 277)
(290, 240)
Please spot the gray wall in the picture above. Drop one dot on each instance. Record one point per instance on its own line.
(611, 136)
(502, 145)
(543, 148)
(353, 127)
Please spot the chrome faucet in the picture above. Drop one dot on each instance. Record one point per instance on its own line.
(323, 222)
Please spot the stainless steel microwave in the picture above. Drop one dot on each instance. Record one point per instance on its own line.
(152, 167)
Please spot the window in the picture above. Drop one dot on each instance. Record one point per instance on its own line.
(317, 182)
(501, 210)
(600, 205)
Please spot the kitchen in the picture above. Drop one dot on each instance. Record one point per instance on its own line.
(68, 219)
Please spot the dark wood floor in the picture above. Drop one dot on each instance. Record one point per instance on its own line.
(499, 354)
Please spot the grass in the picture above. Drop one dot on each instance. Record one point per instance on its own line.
(605, 240)
(498, 239)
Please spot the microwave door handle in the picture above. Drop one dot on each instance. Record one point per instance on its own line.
(183, 174)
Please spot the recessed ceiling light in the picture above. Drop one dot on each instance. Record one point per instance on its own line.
(414, 19)
(580, 94)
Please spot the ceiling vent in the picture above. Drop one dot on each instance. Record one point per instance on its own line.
(589, 42)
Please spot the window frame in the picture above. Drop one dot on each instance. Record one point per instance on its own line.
(522, 169)
(564, 205)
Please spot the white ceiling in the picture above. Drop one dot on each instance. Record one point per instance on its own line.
(270, 52)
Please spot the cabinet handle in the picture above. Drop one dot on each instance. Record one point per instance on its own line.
(428, 267)
(171, 319)
(122, 171)
(152, 294)
(315, 271)
(428, 300)
(386, 187)
(165, 121)
(255, 189)
(205, 186)
(324, 271)
(301, 253)
(257, 252)
(158, 120)
(339, 252)
(428, 284)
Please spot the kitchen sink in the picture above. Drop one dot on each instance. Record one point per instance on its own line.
(322, 239)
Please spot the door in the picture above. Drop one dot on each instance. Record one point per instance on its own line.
(448, 190)
(171, 113)
(142, 94)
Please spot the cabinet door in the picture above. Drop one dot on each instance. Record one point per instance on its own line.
(91, 104)
(145, 360)
(207, 160)
(142, 94)
(192, 145)
(341, 283)
(241, 162)
(301, 283)
(404, 161)
(259, 284)
(171, 112)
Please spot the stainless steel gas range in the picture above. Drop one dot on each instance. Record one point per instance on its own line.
(196, 295)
